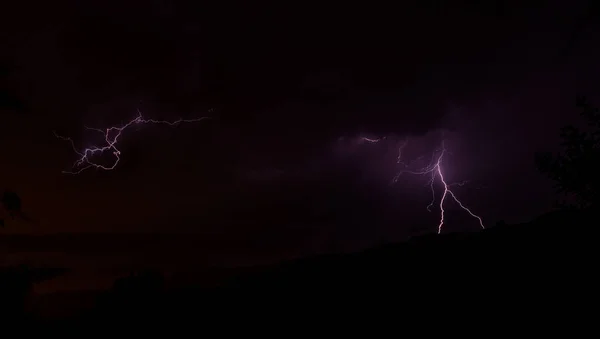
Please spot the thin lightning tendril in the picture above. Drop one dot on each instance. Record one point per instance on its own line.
(370, 140)
(111, 137)
(435, 170)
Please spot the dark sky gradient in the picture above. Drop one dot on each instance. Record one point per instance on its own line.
(286, 82)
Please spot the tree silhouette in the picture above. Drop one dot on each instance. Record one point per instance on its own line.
(576, 170)
(11, 202)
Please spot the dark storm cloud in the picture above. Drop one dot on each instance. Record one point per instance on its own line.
(284, 80)
(328, 70)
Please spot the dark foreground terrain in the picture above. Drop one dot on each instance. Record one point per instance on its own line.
(545, 269)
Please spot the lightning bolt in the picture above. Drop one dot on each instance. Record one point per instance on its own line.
(435, 170)
(370, 140)
(111, 139)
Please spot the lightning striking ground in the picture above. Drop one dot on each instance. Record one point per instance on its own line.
(111, 138)
(435, 170)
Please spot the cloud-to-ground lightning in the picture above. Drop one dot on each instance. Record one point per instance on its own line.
(434, 169)
(111, 139)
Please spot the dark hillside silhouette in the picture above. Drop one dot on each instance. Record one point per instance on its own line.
(16, 283)
(533, 265)
(536, 265)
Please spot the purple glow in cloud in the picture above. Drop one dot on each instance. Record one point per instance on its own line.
(434, 169)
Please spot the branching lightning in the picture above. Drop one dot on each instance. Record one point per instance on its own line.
(111, 139)
(434, 169)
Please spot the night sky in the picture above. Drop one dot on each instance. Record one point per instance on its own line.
(291, 87)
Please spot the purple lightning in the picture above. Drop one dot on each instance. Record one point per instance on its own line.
(370, 140)
(435, 169)
(111, 137)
